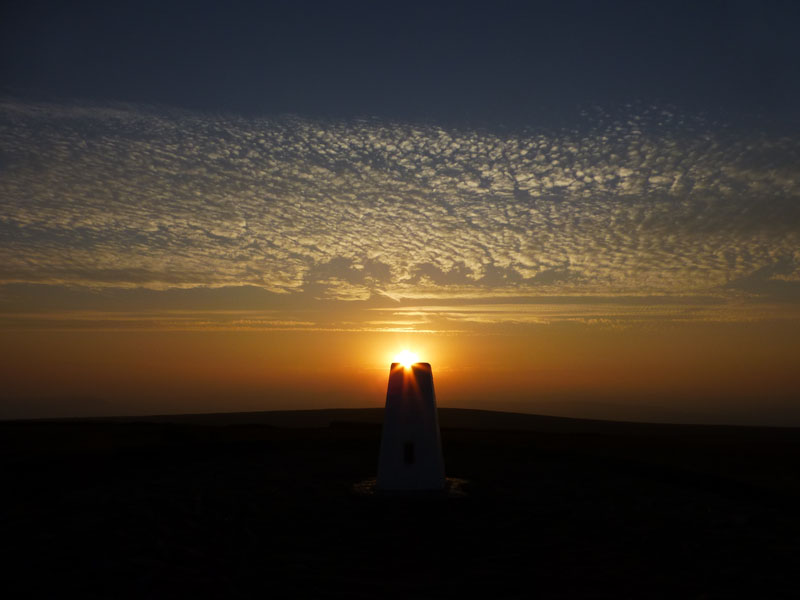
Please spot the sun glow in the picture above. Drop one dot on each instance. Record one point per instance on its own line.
(406, 358)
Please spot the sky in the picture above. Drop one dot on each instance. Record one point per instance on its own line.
(580, 209)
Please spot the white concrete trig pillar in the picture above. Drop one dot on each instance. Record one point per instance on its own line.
(411, 448)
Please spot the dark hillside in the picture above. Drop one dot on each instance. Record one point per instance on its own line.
(236, 507)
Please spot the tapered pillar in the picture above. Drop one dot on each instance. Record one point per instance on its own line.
(411, 449)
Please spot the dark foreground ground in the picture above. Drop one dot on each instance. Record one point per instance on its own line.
(260, 506)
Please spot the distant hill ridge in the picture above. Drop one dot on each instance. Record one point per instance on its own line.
(450, 418)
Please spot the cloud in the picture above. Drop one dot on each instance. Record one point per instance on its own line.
(651, 202)
(779, 281)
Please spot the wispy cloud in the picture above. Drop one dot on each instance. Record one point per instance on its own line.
(608, 313)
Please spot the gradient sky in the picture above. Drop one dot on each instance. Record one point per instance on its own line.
(584, 209)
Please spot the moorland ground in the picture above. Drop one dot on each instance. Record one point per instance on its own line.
(240, 505)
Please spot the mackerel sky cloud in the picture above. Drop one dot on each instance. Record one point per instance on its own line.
(645, 201)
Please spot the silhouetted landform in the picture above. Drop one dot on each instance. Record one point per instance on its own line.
(263, 504)
(453, 418)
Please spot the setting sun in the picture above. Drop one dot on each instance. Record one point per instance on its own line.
(406, 358)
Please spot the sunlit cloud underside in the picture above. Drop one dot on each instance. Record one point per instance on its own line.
(646, 202)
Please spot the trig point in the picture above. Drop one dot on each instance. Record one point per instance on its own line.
(411, 450)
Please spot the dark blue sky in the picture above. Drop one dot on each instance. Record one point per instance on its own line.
(490, 62)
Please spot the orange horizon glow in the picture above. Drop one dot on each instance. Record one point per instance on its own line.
(708, 373)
